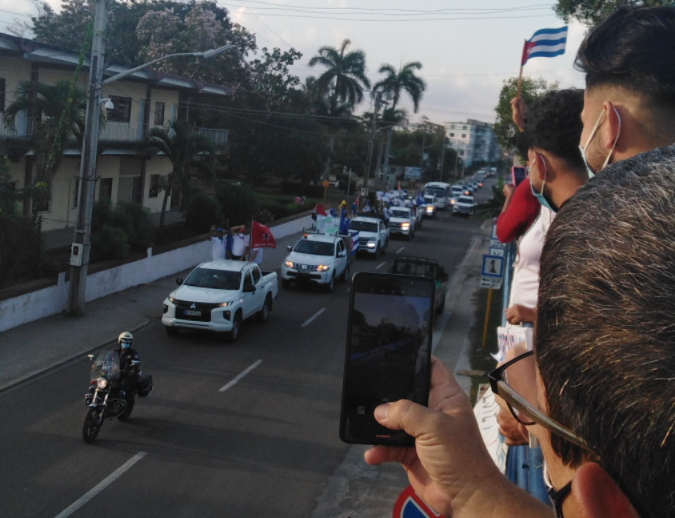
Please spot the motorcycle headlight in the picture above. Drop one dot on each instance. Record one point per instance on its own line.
(101, 383)
(323, 268)
(288, 264)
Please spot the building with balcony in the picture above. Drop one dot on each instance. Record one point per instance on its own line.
(143, 100)
(473, 140)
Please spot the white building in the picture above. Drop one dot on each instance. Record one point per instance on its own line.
(124, 172)
(473, 140)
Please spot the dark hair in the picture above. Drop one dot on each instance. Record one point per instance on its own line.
(634, 48)
(554, 125)
(605, 333)
(522, 145)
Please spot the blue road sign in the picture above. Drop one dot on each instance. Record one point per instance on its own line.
(493, 266)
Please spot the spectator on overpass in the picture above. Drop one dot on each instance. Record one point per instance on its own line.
(602, 386)
(217, 239)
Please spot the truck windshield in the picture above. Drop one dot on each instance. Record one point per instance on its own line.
(398, 213)
(215, 279)
(314, 247)
(429, 199)
(413, 268)
(366, 226)
(464, 199)
(435, 191)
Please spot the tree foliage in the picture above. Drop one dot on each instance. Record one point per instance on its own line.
(530, 91)
(403, 80)
(591, 12)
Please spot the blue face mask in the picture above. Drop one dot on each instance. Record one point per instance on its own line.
(125, 344)
(583, 149)
(540, 195)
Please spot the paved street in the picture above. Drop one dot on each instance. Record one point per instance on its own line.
(264, 446)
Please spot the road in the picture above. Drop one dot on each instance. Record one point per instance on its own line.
(208, 441)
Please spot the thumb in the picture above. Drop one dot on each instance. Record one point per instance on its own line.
(412, 418)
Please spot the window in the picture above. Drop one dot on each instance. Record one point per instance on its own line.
(452, 134)
(76, 197)
(452, 126)
(461, 152)
(463, 127)
(105, 189)
(159, 114)
(2, 95)
(247, 279)
(256, 275)
(122, 110)
(42, 201)
(154, 186)
(464, 135)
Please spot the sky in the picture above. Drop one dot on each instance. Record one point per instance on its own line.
(467, 47)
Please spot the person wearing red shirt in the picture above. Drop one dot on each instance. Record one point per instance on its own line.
(520, 210)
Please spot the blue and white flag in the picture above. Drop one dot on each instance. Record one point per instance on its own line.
(344, 222)
(545, 43)
(420, 199)
(355, 242)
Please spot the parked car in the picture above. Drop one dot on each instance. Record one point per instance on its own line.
(317, 259)
(402, 222)
(218, 296)
(373, 235)
(423, 267)
(464, 206)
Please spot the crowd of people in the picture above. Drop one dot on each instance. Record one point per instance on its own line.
(595, 277)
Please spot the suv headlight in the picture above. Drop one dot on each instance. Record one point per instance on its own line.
(323, 268)
(101, 383)
(371, 244)
(288, 264)
(405, 225)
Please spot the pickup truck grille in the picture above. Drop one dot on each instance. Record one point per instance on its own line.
(203, 308)
(363, 241)
(304, 267)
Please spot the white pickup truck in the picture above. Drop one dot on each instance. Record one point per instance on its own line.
(402, 222)
(373, 235)
(317, 259)
(218, 296)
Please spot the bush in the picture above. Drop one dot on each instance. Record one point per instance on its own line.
(239, 203)
(301, 189)
(140, 232)
(109, 242)
(20, 250)
(202, 212)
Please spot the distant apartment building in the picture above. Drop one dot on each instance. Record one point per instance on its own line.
(473, 140)
(124, 172)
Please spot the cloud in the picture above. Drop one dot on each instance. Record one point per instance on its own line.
(311, 34)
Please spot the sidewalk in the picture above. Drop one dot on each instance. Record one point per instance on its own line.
(38, 346)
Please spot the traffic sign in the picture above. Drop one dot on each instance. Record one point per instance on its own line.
(499, 252)
(493, 266)
(491, 282)
(494, 232)
(495, 243)
(410, 505)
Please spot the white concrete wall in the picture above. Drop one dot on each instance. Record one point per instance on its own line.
(35, 305)
(291, 227)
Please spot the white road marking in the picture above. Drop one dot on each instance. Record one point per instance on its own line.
(101, 485)
(239, 376)
(380, 265)
(311, 319)
(400, 250)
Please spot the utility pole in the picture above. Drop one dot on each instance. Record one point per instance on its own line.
(78, 272)
(371, 143)
(440, 175)
(424, 136)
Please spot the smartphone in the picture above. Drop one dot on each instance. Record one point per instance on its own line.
(518, 174)
(388, 354)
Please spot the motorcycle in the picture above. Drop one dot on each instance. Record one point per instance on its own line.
(105, 399)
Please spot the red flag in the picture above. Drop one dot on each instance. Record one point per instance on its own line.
(319, 210)
(261, 237)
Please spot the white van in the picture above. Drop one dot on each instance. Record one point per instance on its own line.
(440, 191)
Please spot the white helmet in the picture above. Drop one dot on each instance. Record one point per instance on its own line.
(124, 340)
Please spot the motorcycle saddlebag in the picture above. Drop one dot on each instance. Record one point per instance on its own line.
(144, 385)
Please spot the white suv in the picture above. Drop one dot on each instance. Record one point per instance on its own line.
(373, 234)
(316, 259)
(402, 221)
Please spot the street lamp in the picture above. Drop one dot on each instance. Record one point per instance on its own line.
(81, 248)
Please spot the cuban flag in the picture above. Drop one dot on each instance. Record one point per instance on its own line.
(420, 199)
(355, 243)
(545, 43)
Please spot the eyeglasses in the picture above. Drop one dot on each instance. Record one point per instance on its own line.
(524, 411)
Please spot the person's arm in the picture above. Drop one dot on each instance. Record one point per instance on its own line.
(213, 232)
(449, 467)
(234, 229)
(518, 314)
(518, 113)
(254, 253)
(518, 214)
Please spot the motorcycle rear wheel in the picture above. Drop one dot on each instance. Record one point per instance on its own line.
(91, 425)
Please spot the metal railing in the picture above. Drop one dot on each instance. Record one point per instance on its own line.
(218, 136)
(121, 132)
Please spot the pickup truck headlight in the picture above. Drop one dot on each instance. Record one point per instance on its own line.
(371, 244)
(225, 304)
(322, 268)
(288, 264)
(405, 225)
(430, 209)
(172, 300)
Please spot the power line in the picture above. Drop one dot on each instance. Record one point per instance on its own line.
(437, 19)
(270, 28)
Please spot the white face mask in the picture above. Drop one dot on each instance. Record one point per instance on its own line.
(591, 174)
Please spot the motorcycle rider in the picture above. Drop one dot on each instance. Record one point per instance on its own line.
(128, 371)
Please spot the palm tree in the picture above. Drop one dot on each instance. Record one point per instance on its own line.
(187, 151)
(394, 84)
(340, 87)
(56, 116)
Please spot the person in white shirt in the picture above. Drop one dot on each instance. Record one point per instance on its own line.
(240, 243)
(217, 243)
(257, 255)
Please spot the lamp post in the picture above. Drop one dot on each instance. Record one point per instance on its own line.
(81, 247)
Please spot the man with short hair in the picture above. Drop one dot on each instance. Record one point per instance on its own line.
(629, 102)
(240, 243)
(218, 243)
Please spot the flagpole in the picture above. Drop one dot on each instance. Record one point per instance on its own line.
(520, 77)
(250, 241)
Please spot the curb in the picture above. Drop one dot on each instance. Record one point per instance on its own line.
(73, 356)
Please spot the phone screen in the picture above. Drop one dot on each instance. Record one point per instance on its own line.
(388, 353)
(519, 174)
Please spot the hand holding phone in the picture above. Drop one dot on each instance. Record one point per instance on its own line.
(388, 354)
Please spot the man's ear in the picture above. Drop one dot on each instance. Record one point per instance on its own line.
(612, 127)
(542, 167)
(598, 496)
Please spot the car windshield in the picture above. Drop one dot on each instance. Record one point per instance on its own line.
(464, 199)
(398, 213)
(215, 279)
(306, 246)
(366, 226)
(436, 191)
